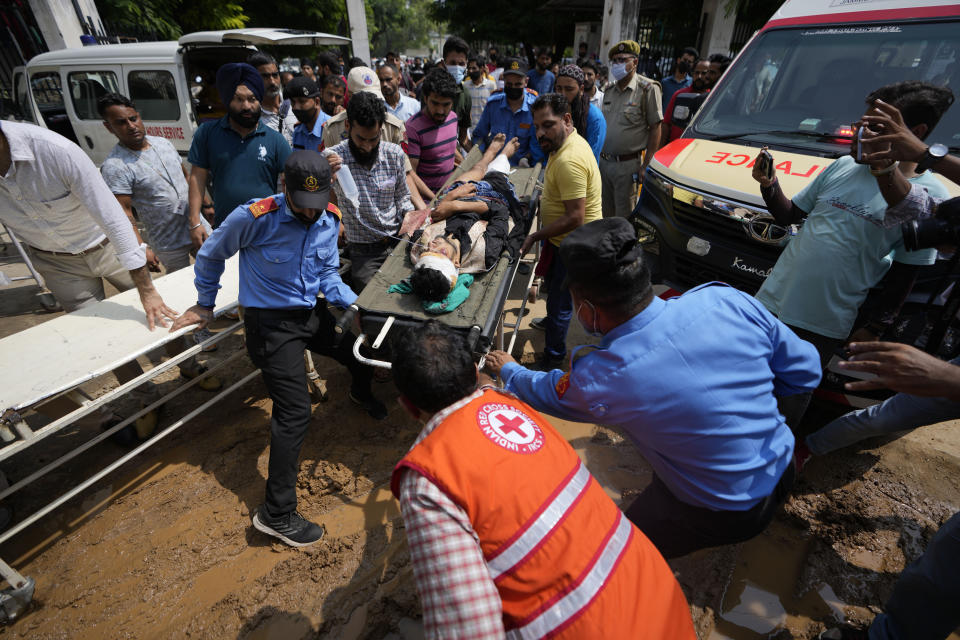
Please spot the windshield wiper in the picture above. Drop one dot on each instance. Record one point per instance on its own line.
(819, 135)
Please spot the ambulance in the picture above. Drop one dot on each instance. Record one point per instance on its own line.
(796, 88)
(172, 83)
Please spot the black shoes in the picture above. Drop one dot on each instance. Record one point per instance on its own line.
(547, 362)
(370, 404)
(292, 528)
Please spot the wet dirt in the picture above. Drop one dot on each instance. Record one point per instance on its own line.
(164, 548)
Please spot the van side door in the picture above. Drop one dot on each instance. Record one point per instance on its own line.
(83, 86)
(163, 100)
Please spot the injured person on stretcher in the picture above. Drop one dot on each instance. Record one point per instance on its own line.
(475, 219)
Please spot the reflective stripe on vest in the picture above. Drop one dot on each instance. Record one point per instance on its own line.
(570, 605)
(538, 531)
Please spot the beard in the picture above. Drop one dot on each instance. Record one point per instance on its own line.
(245, 118)
(700, 85)
(329, 108)
(362, 157)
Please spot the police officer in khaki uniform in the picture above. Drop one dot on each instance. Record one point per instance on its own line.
(632, 108)
(393, 130)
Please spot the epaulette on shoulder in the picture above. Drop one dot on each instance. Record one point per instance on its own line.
(335, 210)
(266, 205)
(532, 92)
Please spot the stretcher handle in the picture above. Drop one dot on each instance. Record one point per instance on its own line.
(343, 325)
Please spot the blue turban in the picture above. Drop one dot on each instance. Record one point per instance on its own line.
(232, 75)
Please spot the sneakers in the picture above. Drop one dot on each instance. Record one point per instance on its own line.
(199, 335)
(540, 324)
(370, 404)
(292, 528)
(210, 383)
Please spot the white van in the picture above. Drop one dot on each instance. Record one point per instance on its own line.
(172, 83)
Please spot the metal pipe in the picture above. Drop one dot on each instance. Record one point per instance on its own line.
(26, 259)
(367, 361)
(92, 406)
(112, 430)
(9, 533)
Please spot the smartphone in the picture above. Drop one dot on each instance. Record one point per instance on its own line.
(765, 164)
(860, 144)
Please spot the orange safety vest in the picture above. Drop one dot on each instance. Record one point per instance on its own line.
(566, 561)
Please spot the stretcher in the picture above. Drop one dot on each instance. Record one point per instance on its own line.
(55, 358)
(480, 317)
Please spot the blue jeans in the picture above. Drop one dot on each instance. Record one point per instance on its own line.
(924, 604)
(901, 412)
(559, 308)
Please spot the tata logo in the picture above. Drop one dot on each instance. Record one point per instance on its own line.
(740, 265)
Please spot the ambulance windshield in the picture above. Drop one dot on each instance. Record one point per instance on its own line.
(803, 87)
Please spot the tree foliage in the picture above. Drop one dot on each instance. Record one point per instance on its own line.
(169, 19)
(398, 24)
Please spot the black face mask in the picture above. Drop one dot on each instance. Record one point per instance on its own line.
(683, 66)
(305, 116)
(513, 93)
(304, 219)
(365, 159)
(246, 119)
(475, 76)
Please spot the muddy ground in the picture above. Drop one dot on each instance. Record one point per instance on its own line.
(163, 547)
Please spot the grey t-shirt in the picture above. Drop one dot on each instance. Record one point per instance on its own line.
(153, 178)
(271, 120)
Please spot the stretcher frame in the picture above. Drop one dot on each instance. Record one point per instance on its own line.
(46, 297)
(18, 436)
(481, 331)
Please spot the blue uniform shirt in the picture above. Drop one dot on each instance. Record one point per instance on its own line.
(693, 381)
(242, 168)
(541, 83)
(283, 262)
(497, 117)
(311, 139)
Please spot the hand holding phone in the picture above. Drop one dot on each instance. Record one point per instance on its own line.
(763, 168)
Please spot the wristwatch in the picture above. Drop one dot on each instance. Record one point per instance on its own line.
(931, 156)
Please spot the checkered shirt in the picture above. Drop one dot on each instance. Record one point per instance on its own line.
(918, 204)
(457, 593)
(384, 197)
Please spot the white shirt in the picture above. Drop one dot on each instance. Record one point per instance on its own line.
(597, 99)
(406, 108)
(271, 120)
(54, 198)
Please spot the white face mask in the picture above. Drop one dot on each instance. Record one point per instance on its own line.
(618, 70)
(593, 331)
(457, 72)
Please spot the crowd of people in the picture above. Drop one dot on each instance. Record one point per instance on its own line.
(710, 386)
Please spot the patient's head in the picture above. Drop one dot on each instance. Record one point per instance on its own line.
(433, 277)
(447, 247)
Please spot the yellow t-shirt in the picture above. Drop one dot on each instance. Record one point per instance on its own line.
(572, 173)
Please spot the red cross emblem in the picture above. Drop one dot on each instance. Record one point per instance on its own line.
(509, 427)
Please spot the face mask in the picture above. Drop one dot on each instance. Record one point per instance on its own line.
(475, 76)
(618, 70)
(594, 331)
(457, 72)
(683, 66)
(513, 93)
(305, 116)
(246, 119)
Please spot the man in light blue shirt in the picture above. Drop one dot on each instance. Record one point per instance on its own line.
(693, 381)
(401, 106)
(845, 246)
(288, 254)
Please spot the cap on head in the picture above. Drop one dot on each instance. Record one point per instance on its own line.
(301, 87)
(307, 174)
(362, 79)
(594, 250)
(515, 66)
(625, 46)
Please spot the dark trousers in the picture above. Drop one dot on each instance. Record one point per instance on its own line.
(559, 307)
(276, 340)
(794, 407)
(677, 528)
(366, 260)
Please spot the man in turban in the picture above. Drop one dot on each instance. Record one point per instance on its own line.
(244, 157)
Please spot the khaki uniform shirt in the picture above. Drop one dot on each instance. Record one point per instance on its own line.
(630, 112)
(335, 132)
